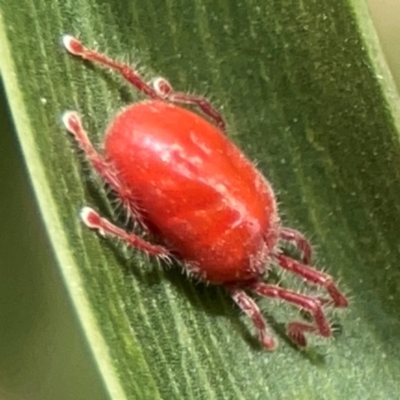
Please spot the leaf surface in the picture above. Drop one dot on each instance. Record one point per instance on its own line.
(306, 94)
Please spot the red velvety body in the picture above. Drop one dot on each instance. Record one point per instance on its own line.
(206, 201)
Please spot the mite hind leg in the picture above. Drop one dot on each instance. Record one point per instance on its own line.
(296, 330)
(315, 277)
(250, 308)
(297, 238)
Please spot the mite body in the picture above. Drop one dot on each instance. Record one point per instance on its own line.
(187, 183)
(205, 199)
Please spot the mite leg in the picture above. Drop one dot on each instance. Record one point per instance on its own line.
(73, 124)
(298, 239)
(166, 92)
(313, 276)
(93, 220)
(160, 90)
(296, 330)
(251, 309)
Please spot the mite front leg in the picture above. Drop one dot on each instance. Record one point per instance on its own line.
(161, 88)
(248, 305)
(75, 47)
(166, 92)
(73, 124)
(311, 275)
(93, 220)
(296, 330)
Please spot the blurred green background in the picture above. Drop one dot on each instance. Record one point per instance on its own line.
(43, 354)
(42, 351)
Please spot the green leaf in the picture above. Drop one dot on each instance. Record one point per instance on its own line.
(306, 93)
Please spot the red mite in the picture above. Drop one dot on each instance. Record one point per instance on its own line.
(184, 180)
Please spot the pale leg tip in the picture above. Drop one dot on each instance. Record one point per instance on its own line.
(162, 87)
(66, 40)
(92, 220)
(72, 44)
(70, 120)
(268, 342)
(89, 217)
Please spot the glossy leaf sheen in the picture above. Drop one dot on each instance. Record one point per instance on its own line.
(306, 94)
